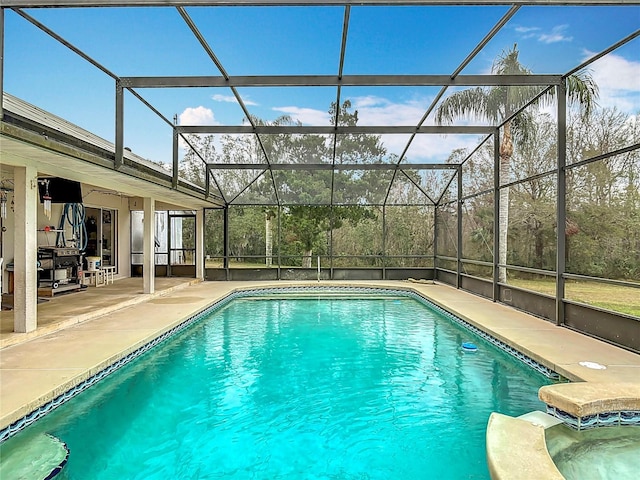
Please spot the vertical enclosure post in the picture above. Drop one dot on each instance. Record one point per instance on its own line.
(279, 242)
(561, 207)
(118, 160)
(496, 214)
(174, 176)
(435, 242)
(384, 242)
(331, 245)
(1, 61)
(459, 222)
(200, 244)
(207, 180)
(225, 240)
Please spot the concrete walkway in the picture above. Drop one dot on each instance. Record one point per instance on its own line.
(48, 363)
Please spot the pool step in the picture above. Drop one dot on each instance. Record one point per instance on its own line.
(41, 458)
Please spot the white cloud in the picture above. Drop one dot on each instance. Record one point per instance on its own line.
(521, 29)
(556, 34)
(368, 101)
(618, 80)
(308, 116)
(197, 116)
(527, 32)
(231, 99)
(374, 110)
(437, 148)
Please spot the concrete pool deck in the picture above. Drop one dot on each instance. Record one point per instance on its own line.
(36, 368)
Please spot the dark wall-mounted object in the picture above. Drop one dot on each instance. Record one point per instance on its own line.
(60, 190)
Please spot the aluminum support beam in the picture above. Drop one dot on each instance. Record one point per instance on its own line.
(225, 240)
(1, 62)
(119, 141)
(175, 162)
(561, 207)
(329, 130)
(207, 181)
(235, 3)
(329, 166)
(384, 242)
(344, 81)
(496, 214)
(435, 240)
(200, 244)
(459, 225)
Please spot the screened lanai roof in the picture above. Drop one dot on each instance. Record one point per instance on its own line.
(240, 96)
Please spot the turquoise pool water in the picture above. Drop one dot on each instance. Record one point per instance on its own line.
(310, 388)
(603, 453)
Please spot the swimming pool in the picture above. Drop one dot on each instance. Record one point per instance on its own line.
(305, 388)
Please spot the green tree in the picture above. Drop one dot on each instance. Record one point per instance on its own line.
(533, 206)
(309, 214)
(603, 197)
(498, 103)
(200, 150)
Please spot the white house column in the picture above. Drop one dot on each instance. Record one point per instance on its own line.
(25, 294)
(148, 248)
(200, 244)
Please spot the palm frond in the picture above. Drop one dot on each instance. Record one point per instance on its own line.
(470, 103)
(522, 127)
(582, 90)
(507, 63)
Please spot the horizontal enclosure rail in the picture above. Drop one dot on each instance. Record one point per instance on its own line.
(234, 3)
(604, 156)
(481, 279)
(446, 270)
(622, 283)
(330, 166)
(344, 81)
(537, 271)
(529, 179)
(331, 130)
(601, 309)
(525, 289)
(476, 262)
(375, 256)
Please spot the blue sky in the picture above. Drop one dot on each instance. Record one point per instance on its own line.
(294, 40)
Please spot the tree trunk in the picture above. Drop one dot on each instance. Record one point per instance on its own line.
(268, 240)
(506, 151)
(306, 260)
(538, 261)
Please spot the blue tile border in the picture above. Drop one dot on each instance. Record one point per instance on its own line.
(38, 413)
(605, 419)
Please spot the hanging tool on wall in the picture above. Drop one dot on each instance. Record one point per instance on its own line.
(3, 204)
(73, 214)
(46, 197)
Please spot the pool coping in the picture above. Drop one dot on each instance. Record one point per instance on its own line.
(460, 304)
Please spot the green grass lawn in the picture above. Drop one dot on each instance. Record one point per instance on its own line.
(612, 297)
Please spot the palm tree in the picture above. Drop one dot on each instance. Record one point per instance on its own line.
(494, 104)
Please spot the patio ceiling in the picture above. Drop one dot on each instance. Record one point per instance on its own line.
(216, 56)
